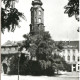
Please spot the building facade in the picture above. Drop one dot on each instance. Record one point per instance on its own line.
(71, 54)
(8, 51)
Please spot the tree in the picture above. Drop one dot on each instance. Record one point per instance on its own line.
(60, 45)
(39, 44)
(22, 60)
(72, 8)
(10, 16)
(59, 63)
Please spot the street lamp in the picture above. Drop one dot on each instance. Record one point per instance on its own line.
(18, 63)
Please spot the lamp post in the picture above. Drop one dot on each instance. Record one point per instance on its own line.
(18, 63)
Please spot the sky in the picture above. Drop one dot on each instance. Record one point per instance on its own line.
(59, 25)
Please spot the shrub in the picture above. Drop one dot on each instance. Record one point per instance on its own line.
(18, 63)
(46, 67)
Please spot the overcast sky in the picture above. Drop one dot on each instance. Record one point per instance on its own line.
(60, 26)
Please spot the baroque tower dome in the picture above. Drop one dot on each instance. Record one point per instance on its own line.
(36, 2)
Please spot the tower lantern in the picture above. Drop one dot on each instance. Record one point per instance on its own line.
(37, 17)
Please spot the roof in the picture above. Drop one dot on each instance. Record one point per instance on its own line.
(10, 47)
(9, 43)
(70, 44)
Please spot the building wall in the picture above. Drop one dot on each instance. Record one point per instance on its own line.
(7, 52)
(72, 56)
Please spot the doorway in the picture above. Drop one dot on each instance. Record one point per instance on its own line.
(74, 67)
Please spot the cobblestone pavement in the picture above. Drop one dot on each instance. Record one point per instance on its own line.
(67, 76)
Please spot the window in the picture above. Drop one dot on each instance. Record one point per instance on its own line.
(35, 13)
(78, 58)
(16, 48)
(78, 66)
(68, 51)
(13, 49)
(68, 58)
(73, 50)
(2, 49)
(7, 48)
(74, 65)
(39, 20)
(73, 58)
(35, 19)
(39, 12)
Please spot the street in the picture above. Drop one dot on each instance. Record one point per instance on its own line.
(67, 76)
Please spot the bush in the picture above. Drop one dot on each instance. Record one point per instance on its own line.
(14, 64)
(59, 63)
(67, 67)
(46, 67)
(29, 67)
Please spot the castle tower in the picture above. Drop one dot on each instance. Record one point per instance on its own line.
(37, 17)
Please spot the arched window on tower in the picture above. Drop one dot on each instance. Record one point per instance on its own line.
(39, 12)
(35, 19)
(39, 20)
(35, 12)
